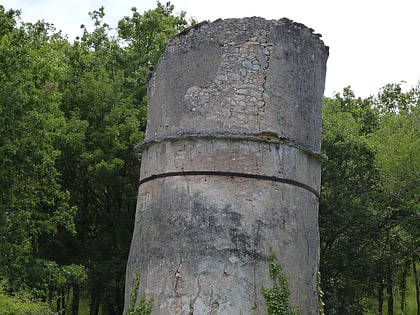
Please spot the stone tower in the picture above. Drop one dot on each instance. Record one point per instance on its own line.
(230, 167)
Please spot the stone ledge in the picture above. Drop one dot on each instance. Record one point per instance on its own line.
(264, 137)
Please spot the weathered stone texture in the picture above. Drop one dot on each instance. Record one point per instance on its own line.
(242, 96)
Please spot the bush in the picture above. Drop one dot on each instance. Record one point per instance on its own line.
(10, 305)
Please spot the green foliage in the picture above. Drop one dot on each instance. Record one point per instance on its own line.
(70, 114)
(139, 305)
(147, 34)
(15, 305)
(34, 205)
(320, 294)
(277, 297)
(369, 198)
(105, 91)
(348, 217)
(397, 143)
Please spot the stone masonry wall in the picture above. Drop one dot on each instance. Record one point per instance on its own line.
(230, 167)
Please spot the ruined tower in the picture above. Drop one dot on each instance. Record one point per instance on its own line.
(230, 166)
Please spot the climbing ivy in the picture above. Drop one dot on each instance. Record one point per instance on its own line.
(320, 294)
(277, 297)
(144, 306)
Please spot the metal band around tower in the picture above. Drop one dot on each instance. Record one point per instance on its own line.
(231, 174)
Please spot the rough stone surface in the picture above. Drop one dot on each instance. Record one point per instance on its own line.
(239, 96)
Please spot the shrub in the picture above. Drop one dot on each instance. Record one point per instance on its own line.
(12, 305)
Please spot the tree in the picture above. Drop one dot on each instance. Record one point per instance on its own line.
(70, 115)
(33, 203)
(105, 91)
(397, 143)
(369, 199)
(348, 215)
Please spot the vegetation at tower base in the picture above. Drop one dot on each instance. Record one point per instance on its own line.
(139, 305)
(320, 295)
(69, 116)
(277, 297)
(20, 306)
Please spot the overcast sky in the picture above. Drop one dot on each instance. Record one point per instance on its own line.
(372, 42)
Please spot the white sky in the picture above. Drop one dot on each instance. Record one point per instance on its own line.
(372, 42)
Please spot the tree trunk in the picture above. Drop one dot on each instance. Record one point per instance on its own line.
(94, 306)
(380, 297)
(63, 302)
(50, 296)
(403, 286)
(417, 284)
(119, 298)
(58, 303)
(389, 289)
(75, 301)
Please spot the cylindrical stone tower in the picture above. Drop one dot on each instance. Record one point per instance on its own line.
(230, 167)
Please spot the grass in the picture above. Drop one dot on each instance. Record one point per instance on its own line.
(411, 306)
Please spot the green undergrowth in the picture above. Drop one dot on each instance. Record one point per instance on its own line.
(410, 307)
(13, 305)
(139, 305)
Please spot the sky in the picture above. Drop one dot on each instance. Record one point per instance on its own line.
(372, 42)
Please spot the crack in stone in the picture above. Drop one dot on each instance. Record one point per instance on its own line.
(177, 277)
